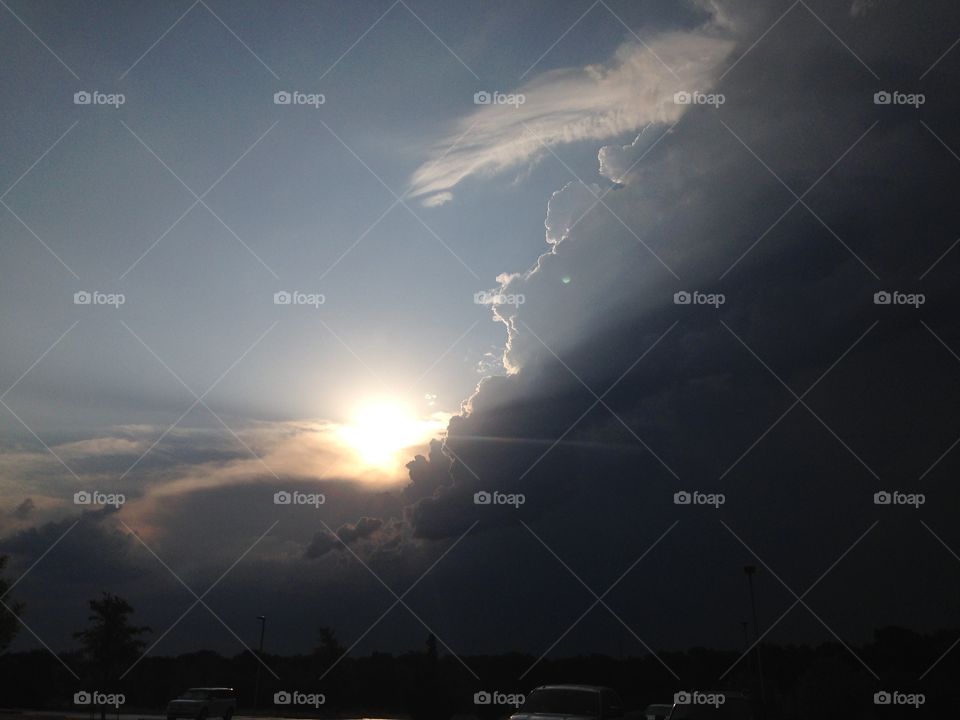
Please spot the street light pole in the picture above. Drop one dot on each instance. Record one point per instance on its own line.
(750, 571)
(256, 685)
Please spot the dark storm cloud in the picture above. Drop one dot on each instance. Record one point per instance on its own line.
(347, 534)
(427, 474)
(90, 549)
(701, 197)
(690, 391)
(364, 527)
(322, 543)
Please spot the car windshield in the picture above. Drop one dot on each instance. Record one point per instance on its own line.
(563, 702)
(195, 695)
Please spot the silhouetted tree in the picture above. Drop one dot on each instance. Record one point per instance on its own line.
(328, 656)
(110, 644)
(9, 611)
(431, 697)
(328, 649)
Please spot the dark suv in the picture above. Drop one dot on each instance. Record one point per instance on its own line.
(203, 703)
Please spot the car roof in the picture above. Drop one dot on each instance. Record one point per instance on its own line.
(585, 688)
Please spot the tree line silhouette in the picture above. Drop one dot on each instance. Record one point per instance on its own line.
(801, 681)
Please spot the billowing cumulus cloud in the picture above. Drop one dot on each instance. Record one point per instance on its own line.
(427, 473)
(347, 534)
(364, 527)
(322, 543)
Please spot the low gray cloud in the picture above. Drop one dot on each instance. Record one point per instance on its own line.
(347, 534)
(24, 509)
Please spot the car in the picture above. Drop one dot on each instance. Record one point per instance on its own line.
(202, 703)
(657, 711)
(590, 702)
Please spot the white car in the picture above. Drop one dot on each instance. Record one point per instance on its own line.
(657, 711)
(203, 703)
(580, 702)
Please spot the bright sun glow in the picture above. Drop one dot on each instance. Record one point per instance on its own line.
(380, 431)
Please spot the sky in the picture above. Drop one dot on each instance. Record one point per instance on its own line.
(585, 260)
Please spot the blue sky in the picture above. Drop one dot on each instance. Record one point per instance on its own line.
(299, 199)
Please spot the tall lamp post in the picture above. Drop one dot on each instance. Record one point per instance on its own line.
(256, 684)
(750, 571)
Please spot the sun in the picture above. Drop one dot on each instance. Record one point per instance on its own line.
(380, 431)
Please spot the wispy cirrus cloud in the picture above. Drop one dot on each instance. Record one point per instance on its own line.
(596, 102)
